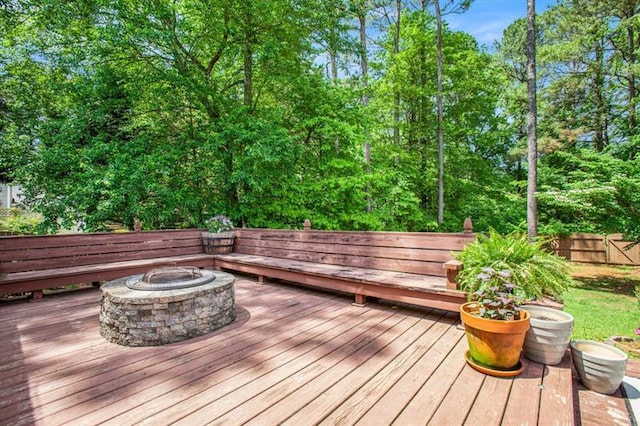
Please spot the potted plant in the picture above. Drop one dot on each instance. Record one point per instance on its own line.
(537, 272)
(219, 238)
(495, 325)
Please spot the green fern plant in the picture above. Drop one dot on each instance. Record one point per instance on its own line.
(535, 271)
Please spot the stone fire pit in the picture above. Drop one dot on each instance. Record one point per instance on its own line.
(166, 305)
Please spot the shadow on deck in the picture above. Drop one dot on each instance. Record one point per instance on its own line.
(293, 356)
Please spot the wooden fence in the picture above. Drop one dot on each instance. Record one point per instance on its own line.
(597, 248)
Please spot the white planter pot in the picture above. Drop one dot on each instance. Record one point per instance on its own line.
(600, 367)
(549, 335)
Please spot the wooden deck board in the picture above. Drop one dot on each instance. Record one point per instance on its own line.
(403, 390)
(368, 363)
(460, 398)
(368, 394)
(259, 376)
(188, 374)
(346, 354)
(556, 393)
(524, 399)
(488, 408)
(594, 406)
(293, 355)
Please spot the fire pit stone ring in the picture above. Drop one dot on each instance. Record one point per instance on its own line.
(189, 307)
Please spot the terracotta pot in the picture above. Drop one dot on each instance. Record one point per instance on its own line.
(495, 344)
(600, 367)
(548, 338)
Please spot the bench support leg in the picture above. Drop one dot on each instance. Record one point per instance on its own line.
(360, 300)
(36, 296)
(95, 283)
(261, 279)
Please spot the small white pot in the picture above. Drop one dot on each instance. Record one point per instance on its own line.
(548, 337)
(600, 367)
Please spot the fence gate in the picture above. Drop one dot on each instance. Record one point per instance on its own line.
(617, 254)
(598, 248)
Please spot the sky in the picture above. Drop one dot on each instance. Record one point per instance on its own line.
(487, 19)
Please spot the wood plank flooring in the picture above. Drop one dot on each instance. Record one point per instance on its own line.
(294, 356)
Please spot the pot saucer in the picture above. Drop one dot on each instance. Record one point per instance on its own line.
(490, 371)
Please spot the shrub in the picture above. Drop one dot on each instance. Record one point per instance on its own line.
(535, 271)
(20, 222)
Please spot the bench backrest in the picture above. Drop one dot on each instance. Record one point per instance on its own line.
(33, 253)
(414, 252)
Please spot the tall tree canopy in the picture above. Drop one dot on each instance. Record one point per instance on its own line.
(274, 111)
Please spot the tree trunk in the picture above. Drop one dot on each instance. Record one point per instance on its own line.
(436, 4)
(396, 91)
(600, 137)
(631, 83)
(532, 142)
(364, 67)
(248, 76)
(334, 65)
(421, 116)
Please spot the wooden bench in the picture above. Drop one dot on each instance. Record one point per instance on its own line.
(409, 267)
(34, 263)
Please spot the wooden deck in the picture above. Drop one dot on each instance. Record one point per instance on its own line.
(293, 356)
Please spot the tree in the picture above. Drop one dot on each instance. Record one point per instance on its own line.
(532, 150)
(583, 190)
(172, 111)
(458, 7)
(471, 85)
(436, 4)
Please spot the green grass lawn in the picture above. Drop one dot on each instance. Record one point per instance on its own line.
(603, 302)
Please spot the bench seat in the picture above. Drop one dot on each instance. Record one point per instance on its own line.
(417, 289)
(408, 267)
(18, 282)
(34, 263)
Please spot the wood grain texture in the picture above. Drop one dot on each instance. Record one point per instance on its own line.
(39, 262)
(293, 355)
(421, 253)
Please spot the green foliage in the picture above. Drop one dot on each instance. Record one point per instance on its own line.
(218, 223)
(586, 191)
(170, 112)
(496, 296)
(535, 272)
(20, 222)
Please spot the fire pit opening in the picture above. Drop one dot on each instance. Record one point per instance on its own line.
(168, 278)
(166, 305)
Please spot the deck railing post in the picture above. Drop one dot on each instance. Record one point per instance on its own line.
(468, 226)
(307, 225)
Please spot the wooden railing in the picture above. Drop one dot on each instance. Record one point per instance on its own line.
(412, 267)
